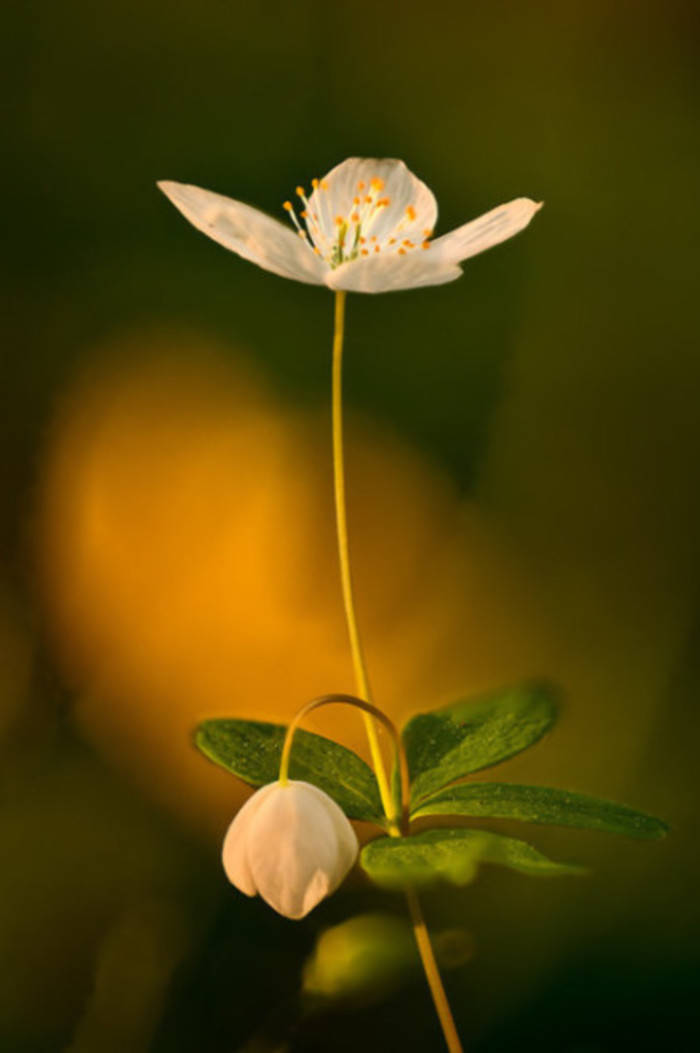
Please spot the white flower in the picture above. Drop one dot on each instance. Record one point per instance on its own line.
(291, 844)
(365, 227)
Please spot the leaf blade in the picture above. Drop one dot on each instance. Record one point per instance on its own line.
(251, 750)
(544, 805)
(453, 855)
(470, 735)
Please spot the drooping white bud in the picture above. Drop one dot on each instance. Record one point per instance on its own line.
(290, 844)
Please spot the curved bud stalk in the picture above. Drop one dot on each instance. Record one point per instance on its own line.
(292, 845)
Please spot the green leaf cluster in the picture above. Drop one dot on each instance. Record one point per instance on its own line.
(445, 746)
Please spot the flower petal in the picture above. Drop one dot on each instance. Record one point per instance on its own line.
(347, 843)
(235, 848)
(389, 272)
(488, 230)
(293, 850)
(247, 231)
(403, 189)
(316, 890)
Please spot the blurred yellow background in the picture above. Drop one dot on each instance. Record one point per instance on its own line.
(522, 460)
(188, 554)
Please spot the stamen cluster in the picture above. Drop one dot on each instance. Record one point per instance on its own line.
(342, 238)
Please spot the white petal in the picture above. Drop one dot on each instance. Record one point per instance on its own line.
(247, 231)
(235, 847)
(293, 849)
(389, 272)
(401, 186)
(316, 890)
(488, 230)
(347, 843)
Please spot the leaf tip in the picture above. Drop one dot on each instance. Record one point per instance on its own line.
(657, 829)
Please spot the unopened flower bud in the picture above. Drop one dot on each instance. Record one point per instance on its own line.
(291, 844)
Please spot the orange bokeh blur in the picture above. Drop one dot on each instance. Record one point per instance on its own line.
(189, 568)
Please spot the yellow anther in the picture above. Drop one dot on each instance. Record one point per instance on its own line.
(356, 201)
(360, 185)
(365, 252)
(303, 213)
(317, 250)
(402, 252)
(355, 217)
(339, 221)
(407, 242)
(300, 191)
(363, 241)
(428, 233)
(324, 184)
(301, 233)
(411, 212)
(288, 206)
(368, 200)
(377, 248)
(425, 245)
(376, 183)
(392, 241)
(314, 184)
(383, 201)
(373, 238)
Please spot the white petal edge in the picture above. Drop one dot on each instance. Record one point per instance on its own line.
(234, 854)
(348, 845)
(317, 889)
(391, 272)
(247, 231)
(486, 231)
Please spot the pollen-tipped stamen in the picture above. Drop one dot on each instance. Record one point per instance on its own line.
(342, 238)
(289, 208)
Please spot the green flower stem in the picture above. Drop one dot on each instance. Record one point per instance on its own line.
(432, 973)
(420, 930)
(358, 658)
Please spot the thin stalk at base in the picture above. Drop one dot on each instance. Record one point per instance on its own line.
(432, 973)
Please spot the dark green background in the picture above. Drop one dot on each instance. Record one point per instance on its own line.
(558, 382)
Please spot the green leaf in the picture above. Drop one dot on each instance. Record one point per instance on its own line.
(451, 855)
(469, 735)
(541, 804)
(251, 750)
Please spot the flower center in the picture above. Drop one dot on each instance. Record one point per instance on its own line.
(349, 235)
